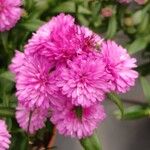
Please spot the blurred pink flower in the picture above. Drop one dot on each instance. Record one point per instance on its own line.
(84, 80)
(76, 121)
(35, 83)
(31, 120)
(140, 2)
(16, 62)
(107, 12)
(120, 65)
(4, 136)
(10, 13)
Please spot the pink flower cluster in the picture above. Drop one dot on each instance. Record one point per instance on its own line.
(65, 72)
(10, 13)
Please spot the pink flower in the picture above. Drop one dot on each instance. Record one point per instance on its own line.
(76, 121)
(141, 2)
(55, 39)
(17, 62)
(10, 13)
(120, 65)
(84, 81)
(107, 12)
(4, 136)
(35, 82)
(31, 120)
(61, 40)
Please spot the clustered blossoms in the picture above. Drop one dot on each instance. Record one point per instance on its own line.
(10, 13)
(64, 74)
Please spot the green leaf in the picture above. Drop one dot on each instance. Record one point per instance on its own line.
(112, 27)
(31, 25)
(139, 44)
(65, 7)
(91, 143)
(133, 112)
(83, 10)
(146, 88)
(83, 20)
(116, 99)
(7, 75)
(144, 24)
(137, 17)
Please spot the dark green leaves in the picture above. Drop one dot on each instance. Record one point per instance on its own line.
(91, 143)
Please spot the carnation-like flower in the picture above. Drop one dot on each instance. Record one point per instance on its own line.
(55, 39)
(4, 136)
(17, 62)
(84, 81)
(35, 82)
(76, 121)
(10, 13)
(31, 120)
(61, 40)
(120, 65)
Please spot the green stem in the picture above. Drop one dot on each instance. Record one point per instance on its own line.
(91, 143)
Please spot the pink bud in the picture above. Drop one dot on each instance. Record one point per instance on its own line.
(107, 12)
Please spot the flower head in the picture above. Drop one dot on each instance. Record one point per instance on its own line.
(76, 121)
(4, 136)
(120, 65)
(35, 82)
(31, 120)
(61, 40)
(10, 13)
(84, 80)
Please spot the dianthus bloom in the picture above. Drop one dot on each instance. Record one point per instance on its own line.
(61, 40)
(10, 13)
(4, 136)
(84, 80)
(34, 83)
(17, 62)
(31, 120)
(76, 121)
(120, 65)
